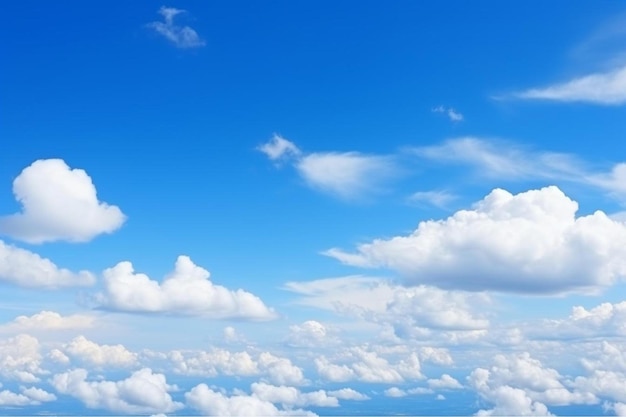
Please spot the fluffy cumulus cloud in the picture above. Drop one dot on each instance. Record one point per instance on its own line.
(187, 290)
(365, 365)
(520, 385)
(142, 392)
(311, 333)
(93, 354)
(445, 382)
(20, 359)
(29, 396)
(344, 174)
(27, 269)
(607, 88)
(216, 362)
(58, 203)
(213, 403)
(292, 397)
(180, 36)
(48, 321)
(531, 242)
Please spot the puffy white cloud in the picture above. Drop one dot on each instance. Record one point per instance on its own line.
(232, 336)
(348, 394)
(438, 356)
(311, 333)
(531, 242)
(37, 395)
(213, 363)
(181, 36)
(58, 203)
(445, 382)
(520, 385)
(187, 290)
(395, 392)
(606, 319)
(142, 392)
(292, 397)
(344, 174)
(93, 354)
(27, 269)
(452, 114)
(48, 321)
(359, 363)
(281, 370)
(607, 88)
(212, 403)
(20, 358)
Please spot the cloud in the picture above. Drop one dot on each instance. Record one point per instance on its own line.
(209, 402)
(20, 358)
(452, 114)
(531, 242)
(499, 159)
(411, 312)
(181, 36)
(93, 354)
(362, 364)
(279, 148)
(438, 198)
(395, 392)
(58, 203)
(142, 392)
(347, 175)
(292, 397)
(445, 382)
(311, 333)
(606, 88)
(348, 394)
(48, 321)
(216, 362)
(27, 269)
(187, 290)
(29, 396)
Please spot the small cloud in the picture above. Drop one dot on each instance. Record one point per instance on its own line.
(279, 148)
(395, 392)
(181, 36)
(452, 114)
(437, 198)
(606, 88)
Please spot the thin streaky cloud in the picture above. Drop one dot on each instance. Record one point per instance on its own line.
(183, 37)
(452, 114)
(605, 88)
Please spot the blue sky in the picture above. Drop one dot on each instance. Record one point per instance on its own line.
(288, 208)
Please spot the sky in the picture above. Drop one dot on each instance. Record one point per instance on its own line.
(296, 209)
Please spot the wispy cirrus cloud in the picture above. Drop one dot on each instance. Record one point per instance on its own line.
(181, 36)
(347, 175)
(606, 88)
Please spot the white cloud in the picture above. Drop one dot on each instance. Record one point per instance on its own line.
(346, 175)
(531, 242)
(445, 382)
(281, 370)
(438, 356)
(20, 358)
(181, 36)
(395, 392)
(364, 365)
(501, 159)
(608, 88)
(58, 203)
(279, 148)
(452, 114)
(48, 321)
(209, 402)
(187, 290)
(37, 395)
(437, 198)
(348, 394)
(93, 354)
(311, 333)
(292, 397)
(142, 392)
(27, 269)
